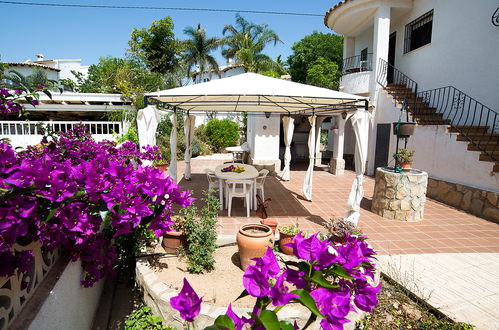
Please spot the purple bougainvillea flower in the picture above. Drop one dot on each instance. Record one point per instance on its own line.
(268, 265)
(279, 292)
(366, 295)
(333, 304)
(239, 322)
(255, 282)
(313, 250)
(187, 302)
(295, 277)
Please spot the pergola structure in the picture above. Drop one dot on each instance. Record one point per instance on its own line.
(254, 93)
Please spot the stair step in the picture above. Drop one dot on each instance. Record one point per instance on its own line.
(495, 168)
(488, 147)
(469, 129)
(486, 158)
(433, 122)
(479, 137)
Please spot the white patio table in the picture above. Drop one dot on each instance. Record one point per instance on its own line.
(250, 173)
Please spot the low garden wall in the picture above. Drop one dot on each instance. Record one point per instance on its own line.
(482, 203)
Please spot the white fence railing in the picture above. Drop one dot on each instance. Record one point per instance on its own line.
(23, 134)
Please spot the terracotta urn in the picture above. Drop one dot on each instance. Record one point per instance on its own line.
(271, 223)
(252, 241)
(285, 239)
(173, 240)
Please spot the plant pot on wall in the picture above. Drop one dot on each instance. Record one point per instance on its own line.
(252, 242)
(173, 240)
(405, 129)
(406, 167)
(271, 223)
(285, 239)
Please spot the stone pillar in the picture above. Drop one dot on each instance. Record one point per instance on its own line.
(348, 47)
(381, 37)
(399, 196)
(337, 163)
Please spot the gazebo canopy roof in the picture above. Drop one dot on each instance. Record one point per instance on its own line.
(251, 92)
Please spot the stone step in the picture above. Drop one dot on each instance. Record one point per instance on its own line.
(478, 137)
(486, 158)
(476, 129)
(492, 146)
(496, 167)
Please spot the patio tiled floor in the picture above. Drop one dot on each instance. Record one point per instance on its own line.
(443, 229)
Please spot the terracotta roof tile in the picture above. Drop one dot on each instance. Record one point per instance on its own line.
(330, 11)
(31, 64)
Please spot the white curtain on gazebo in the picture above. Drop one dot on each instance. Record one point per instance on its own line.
(361, 120)
(307, 182)
(173, 149)
(318, 155)
(189, 122)
(147, 123)
(288, 125)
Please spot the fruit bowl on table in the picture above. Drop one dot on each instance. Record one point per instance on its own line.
(232, 168)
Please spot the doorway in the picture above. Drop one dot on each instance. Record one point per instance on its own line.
(382, 145)
(391, 56)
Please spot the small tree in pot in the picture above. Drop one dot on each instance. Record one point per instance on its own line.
(404, 158)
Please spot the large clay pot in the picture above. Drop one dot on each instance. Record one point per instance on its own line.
(285, 239)
(252, 241)
(173, 240)
(271, 223)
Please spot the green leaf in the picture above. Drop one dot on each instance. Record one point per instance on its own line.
(340, 271)
(318, 278)
(285, 325)
(47, 92)
(306, 300)
(242, 295)
(269, 320)
(225, 322)
(50, 215)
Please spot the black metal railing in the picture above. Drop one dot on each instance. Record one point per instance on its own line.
(358, 63)
(476, 122)
(391, 78)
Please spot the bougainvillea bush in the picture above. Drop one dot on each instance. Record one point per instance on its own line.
(80, 195)
(330, 279)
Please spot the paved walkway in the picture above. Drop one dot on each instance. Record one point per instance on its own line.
(452, 254)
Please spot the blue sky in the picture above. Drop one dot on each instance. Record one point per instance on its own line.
(89, 33)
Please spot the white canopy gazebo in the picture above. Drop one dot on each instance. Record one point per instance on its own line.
(251, 92)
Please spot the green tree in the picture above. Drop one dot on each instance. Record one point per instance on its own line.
(16, 79)
(309, 49)
(245, 43)
(157, 46)
(323, 73)
(127, 76)
(198, 48)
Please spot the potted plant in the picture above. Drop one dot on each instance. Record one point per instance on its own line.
(161, 164)
(403, 129)
(403, 158)
(173, 240)
(337, 227)
(287, 235)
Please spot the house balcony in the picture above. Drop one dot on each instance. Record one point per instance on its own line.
(357, 74)
(23, 133)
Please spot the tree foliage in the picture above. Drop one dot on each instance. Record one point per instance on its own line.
(323, 73)
(309, 49)
(157, 46)
(15, 79)
(198, 50)
(245, 42)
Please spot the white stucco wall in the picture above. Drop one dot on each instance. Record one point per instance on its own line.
(27, 70)
(356, 83)
(69, 305)
(462, 52)
(364, 40)
(263, 136)
(66, 66)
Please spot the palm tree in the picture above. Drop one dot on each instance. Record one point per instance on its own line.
(246, 42)
(198, 49)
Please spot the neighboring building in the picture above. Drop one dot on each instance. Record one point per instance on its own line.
(64, 111)
(438, 56)
(55, 69)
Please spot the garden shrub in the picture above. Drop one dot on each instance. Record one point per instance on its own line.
(200, 230)
(131, 135)
(200, 147)
(143, 319)
(222, 133)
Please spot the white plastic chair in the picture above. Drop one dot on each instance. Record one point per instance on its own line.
(213, 182)
(239, 188)
(260, 180)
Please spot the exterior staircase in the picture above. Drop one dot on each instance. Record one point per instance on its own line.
(474, 122)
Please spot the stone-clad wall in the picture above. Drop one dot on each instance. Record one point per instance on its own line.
(482, 203)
